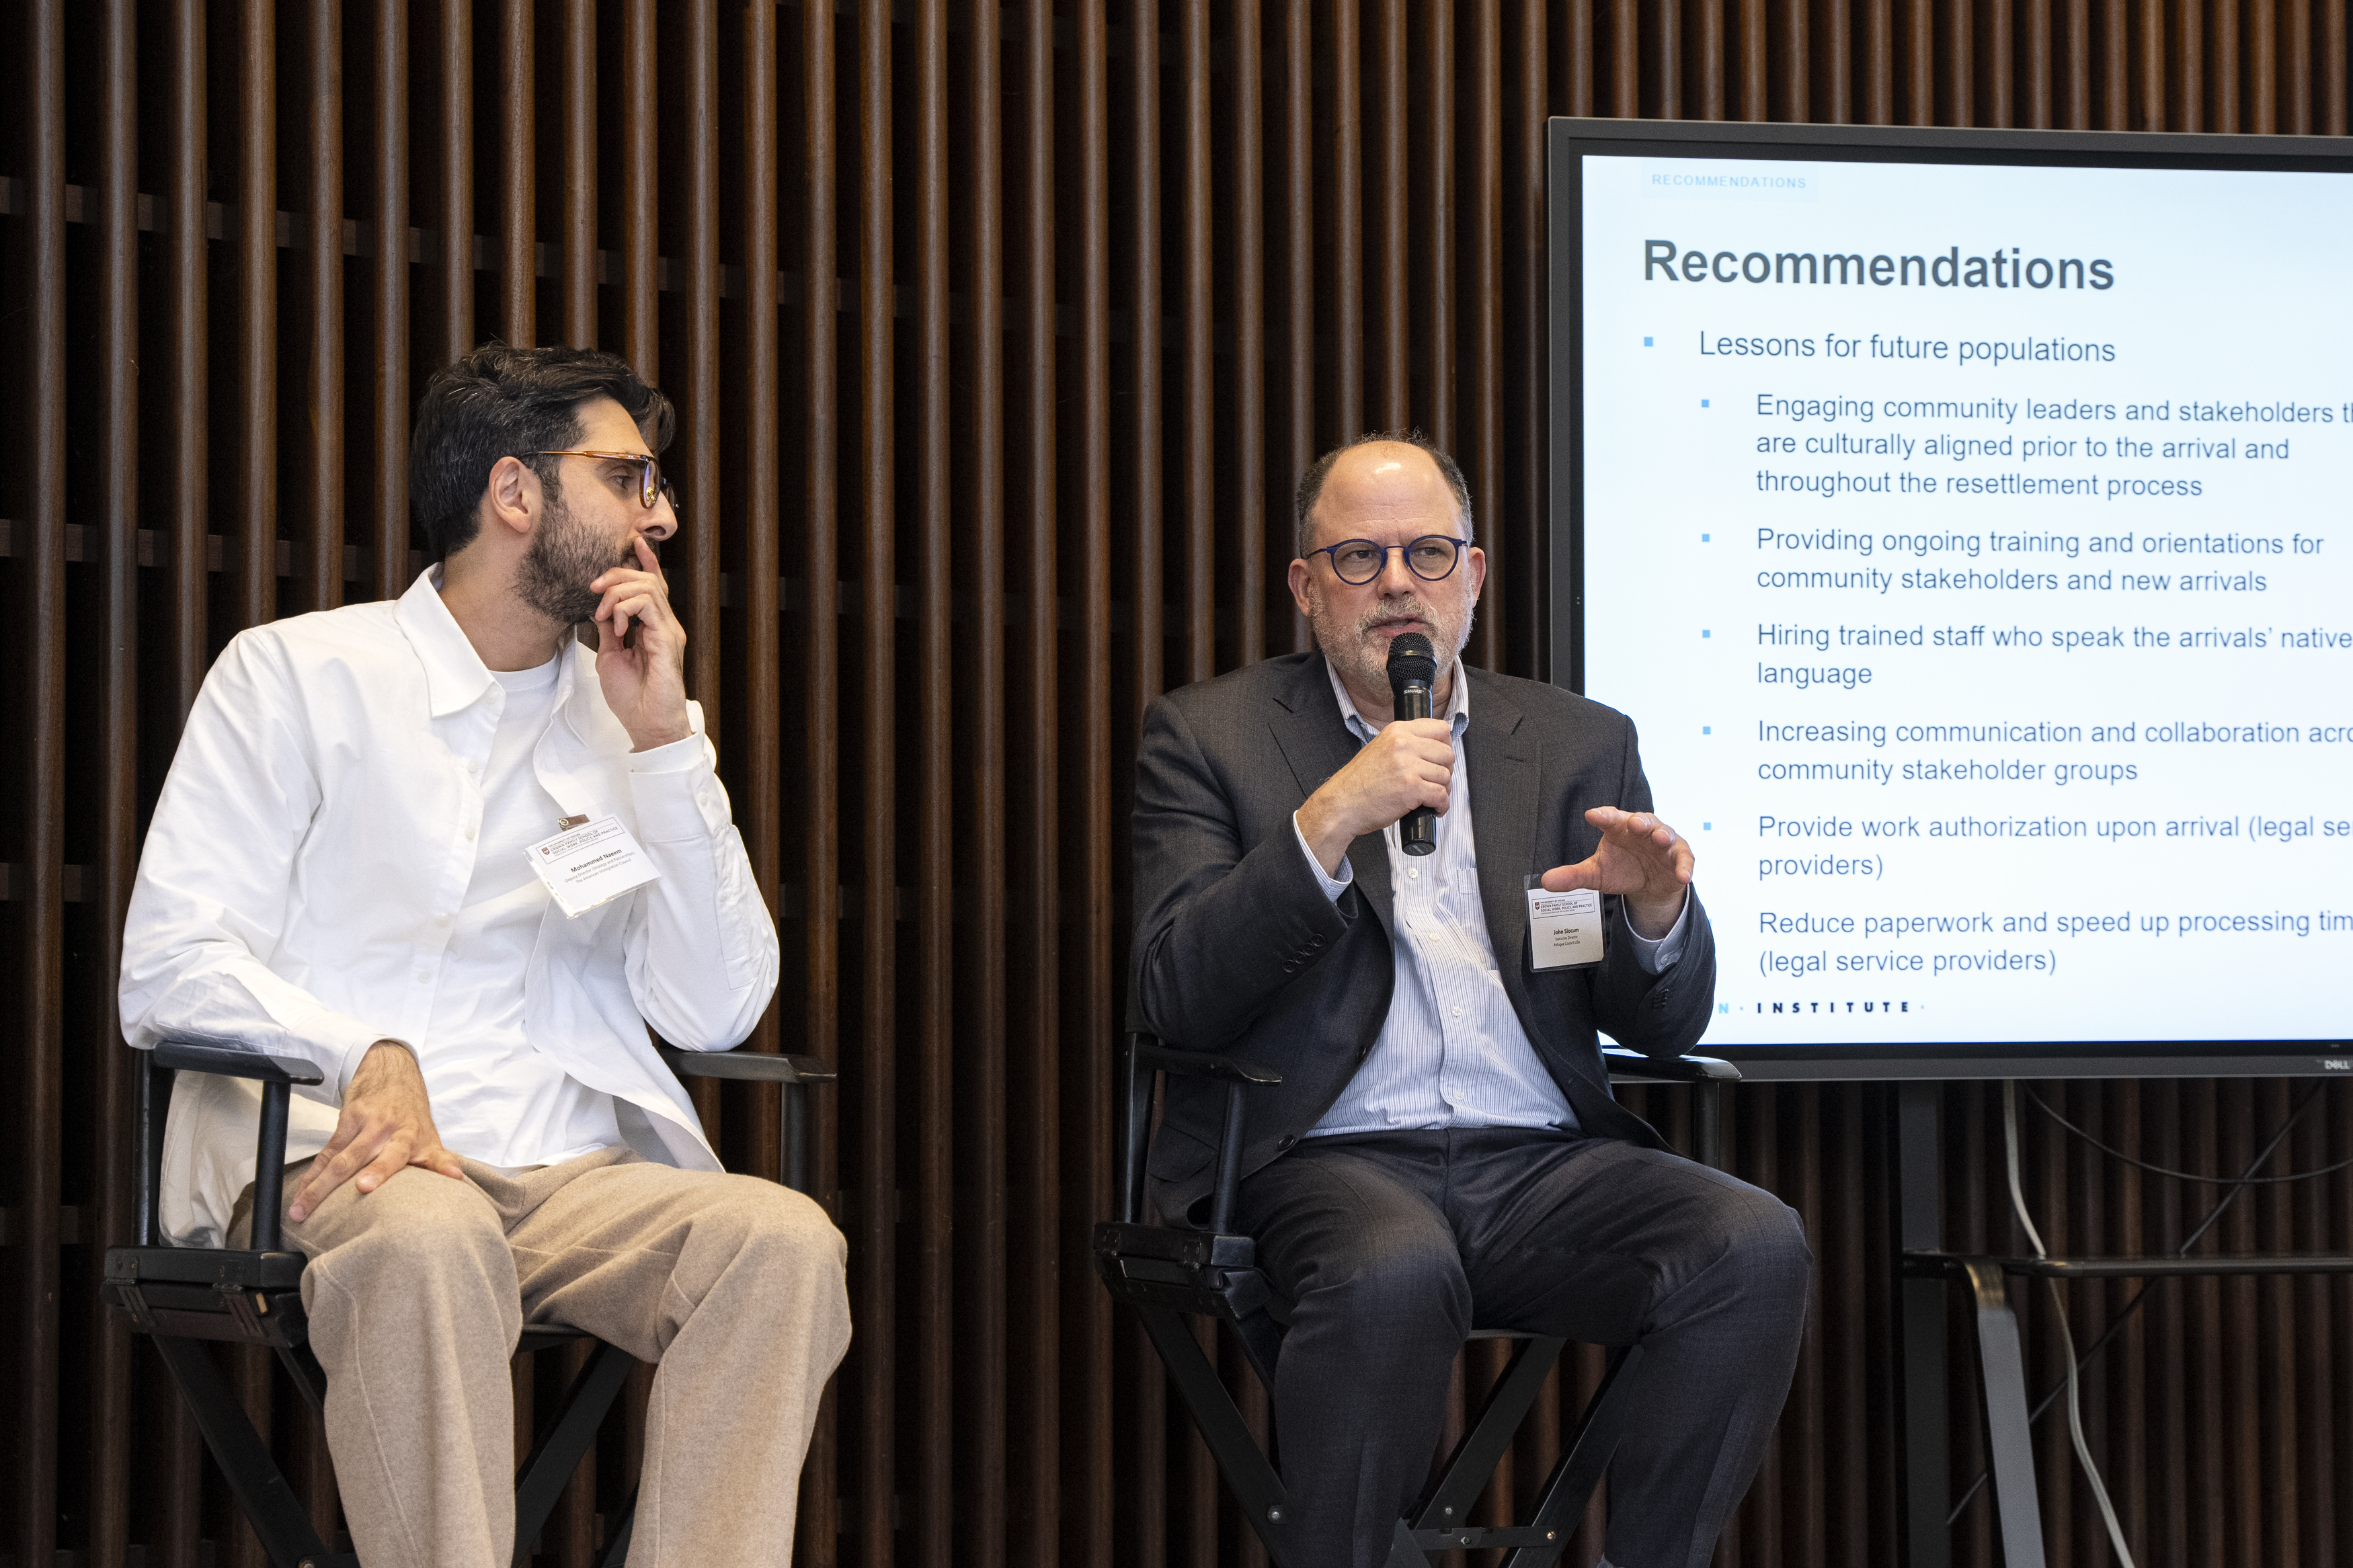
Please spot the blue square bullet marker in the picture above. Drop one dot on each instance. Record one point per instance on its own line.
(1703, 403)
(1708, 827)
(1707, 729)
(1704, 632)
(1646, 343)
(1704, 538)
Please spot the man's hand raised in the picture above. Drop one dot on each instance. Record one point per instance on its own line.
(1641, 857)
(386, 1124)
(1409, 763)
(644, 678)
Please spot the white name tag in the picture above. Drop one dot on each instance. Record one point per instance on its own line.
(1564, 929)
(592, 864)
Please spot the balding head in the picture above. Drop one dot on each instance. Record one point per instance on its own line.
(1319, 473)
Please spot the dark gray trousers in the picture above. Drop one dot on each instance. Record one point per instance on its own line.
(1391, 1247)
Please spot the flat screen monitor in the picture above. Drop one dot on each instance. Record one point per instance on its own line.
(1966, 518)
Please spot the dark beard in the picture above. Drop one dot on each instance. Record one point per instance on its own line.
(554, 576)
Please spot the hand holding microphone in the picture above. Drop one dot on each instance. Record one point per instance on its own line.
(1403, 771)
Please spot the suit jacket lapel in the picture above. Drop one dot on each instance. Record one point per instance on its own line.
(1506, 782)
(1317, 742)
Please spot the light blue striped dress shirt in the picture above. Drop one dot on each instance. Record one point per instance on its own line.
(1452, 1052)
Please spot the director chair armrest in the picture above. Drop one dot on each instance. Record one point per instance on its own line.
(792, 1076)
(1632, 1067)
(278, 1076)
(1145, 1056)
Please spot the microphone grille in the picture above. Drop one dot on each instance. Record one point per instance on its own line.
(1411, 661)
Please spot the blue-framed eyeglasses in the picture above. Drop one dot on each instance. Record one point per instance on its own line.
(1431, 558)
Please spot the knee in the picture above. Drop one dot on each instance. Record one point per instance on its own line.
(780, 1228)
(1764, 1247)
(1414, 1282)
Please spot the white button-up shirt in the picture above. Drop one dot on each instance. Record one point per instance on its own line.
(310, 855)
(1452, 1052)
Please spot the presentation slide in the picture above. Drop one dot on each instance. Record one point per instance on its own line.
(1974, 547)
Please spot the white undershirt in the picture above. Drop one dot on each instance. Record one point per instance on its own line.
(509, 1104)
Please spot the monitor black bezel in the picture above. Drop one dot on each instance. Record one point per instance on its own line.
(1567, 141)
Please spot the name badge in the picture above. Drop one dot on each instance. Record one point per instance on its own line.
(1564, 929)
(591, 863)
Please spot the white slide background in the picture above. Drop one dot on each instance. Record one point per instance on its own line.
(2036, 821)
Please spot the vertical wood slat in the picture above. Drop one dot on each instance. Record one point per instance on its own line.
(1035, 1238)
(1437, 224)
(579, 105)
(1480, 444)
(108, 1400)
(696, 270)
(874, 1252)
(1299, 204)
(1147, 1440)
(186, 267)
(457, 179)
(1089, 1327)
(933, 810)
(389, 573)
(1197, 486)
(761, 814)
(1247, 506)
(256, 315)
(39, 610)
(1393, 238)
(518, 188)
(979, 1031)
(641, 191)
(320, 530)
(1347, 222)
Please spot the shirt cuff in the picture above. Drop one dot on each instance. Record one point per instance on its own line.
(1333, 885)
(355, 1050)
(676, 757)
(676, 794)
(1657, 957)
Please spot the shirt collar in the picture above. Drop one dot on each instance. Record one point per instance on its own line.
(455, 676)
(1458, 710)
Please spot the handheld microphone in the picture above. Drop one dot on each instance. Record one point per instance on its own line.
(1413, 671)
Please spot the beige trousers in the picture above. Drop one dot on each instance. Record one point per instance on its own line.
(416, 1293)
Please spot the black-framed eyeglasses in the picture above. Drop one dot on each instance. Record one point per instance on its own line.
(1431, 558)
(651, 486)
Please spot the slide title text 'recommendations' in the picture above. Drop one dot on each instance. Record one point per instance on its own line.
(1663, 260)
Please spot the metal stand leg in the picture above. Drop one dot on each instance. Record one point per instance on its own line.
(2008, 1441)
(1920, 1319)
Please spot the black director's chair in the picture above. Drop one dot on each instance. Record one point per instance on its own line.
(1167, 1274)
(180, 1295)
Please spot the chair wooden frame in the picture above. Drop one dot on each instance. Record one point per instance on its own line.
(180, 1295)
(1167, 1274)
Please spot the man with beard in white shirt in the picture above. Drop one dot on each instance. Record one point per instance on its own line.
(339, 870)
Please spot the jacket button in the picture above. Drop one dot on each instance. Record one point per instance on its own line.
(1285, 1141)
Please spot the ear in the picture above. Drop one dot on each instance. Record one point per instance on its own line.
(1474, 561)
(511, 500)
(1299, 579)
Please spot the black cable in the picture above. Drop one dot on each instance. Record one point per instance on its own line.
(2116, 1153)
(2124, 1313)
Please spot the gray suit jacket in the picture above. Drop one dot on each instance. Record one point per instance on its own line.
(1238, 950)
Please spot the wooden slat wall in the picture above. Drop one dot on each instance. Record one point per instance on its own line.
(1000, 332)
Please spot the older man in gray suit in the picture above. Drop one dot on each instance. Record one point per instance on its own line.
(1443, 1151)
